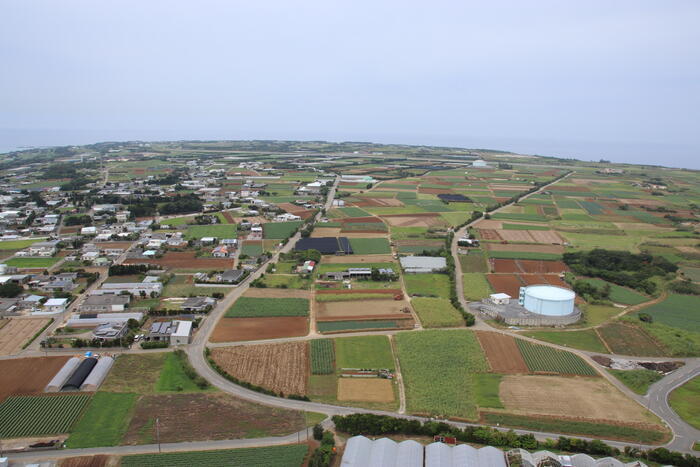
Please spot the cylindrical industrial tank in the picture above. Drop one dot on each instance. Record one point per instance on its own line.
(549, 300)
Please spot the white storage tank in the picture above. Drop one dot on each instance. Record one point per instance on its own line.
(548, 300)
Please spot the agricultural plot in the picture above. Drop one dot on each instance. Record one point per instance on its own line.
(473, 261)
(582, 340)
(173, 377)
(619, 294)
(445, 360)
(268, 456)
(475, 286)
(252, 307)
(251, 248)
(436, 312)
(428, 285)
(246, 329)
(32, 263)
(370, 246)
(280, 230)
(185, 261)
(542, 359)
(281, 368)
(358, 325)
(104, 422)
(137, 373)
(27, 375)
(30, 416)
(502, 353)
(627, 339)
(370, 309)
(505, 283)
(365, 390)
(677, 311)
(637, 380)
(214, 230)
(368, 352)
(322, 356)
(17, 332)
(487, 387)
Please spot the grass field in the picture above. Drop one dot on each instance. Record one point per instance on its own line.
(476, 286)
(620, 294)
(364, 352)
(524, 227)
(474, 261)
(487, 389)
(322, 356)
(540, 358)
(444, 360)
(104, 422)
(523, 255)
(25, 416)
(251, 249)
(428, 285)
(272, 456)
(627, 339)
(637, 380)
(214, 230)
(598, 314)
(582, 340)
(436, 312)
(685, 401)
(280, 230)
(370, 246)
(250, 307)
(32, 262)
(173, 377)
(18, 244)
(137, 373)
(677, 311)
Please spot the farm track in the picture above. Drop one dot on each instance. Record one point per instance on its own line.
(657, 396)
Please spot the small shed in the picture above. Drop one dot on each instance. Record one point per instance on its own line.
(500, 298)
(63, 374)
(98, 374)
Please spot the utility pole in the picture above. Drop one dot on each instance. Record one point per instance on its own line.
(158, 433)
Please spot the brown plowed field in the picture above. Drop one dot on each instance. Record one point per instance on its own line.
(359, 220)
(504, 266)
(399, 319)
(360, 291)
(365, 389)
(553, 279)
(490, 234)
(289, 207)
(505, 283)
(229, 218)
(378, 202)
(367, 308)
(17, 332)
(532, 248)
(516, 235)
(490, 224)
(589, 398)
(249, 329)
(276, 293)
(277, 367)
(206, 417)
(99, 460)
(545, 236)
(533, 279)
(502, 353)
(185, 260)
(28, 375)
(570, 188)
(320, 232)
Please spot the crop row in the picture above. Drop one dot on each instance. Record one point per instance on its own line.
(322, 356)
(540, 358)
(251, 307)
(273, 456)
(25, 416)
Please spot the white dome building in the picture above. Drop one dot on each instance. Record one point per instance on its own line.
(547, 300)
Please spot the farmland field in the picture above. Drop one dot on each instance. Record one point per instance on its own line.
(540, 358)
(215, 230)
(17, 332)
(26, 416)
(252, 248)
(627, 339)
(436, 312)
(524, 255)
(173, 377)
(281, 368)
(272, 456)
(364, 352)
(359, 325)
(443, 359)
(104, 422)
(365, 390)
(253, 307)
(322, 356)
(502, 353)
(473, 261)
(582, 340)
(619, 294)
(677, 311)
(370, 246)
(280, 230)
(428, 285)
(27, 375)
(476, 286)
(19, 244)
(136, 373)
(487, 390)
(245, 329)
(32, 263)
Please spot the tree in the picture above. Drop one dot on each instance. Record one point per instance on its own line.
(318, 432)
(10, 290)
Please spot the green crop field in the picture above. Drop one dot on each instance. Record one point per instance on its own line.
(475, 286)
(214, 230)
(524, 227)
(353, 212)
(173, 377)
(547, 359)
(685, 400)
(474, 261)
(322, 356)
(436, 368)
(619, 294)
(637, 380)
(582, 340)
(627, 339)
(517, 217)
(336, 326)
(269, 456)
(27, 416)
(436, 312)
(251, 249)
(428, 285)
(487, 387)
(677, 311)
(346, 297)
(279, 230)
(104, 422)
(32, 262)
(19, 244)
(250, 307)
(364, 352)
(370, 246)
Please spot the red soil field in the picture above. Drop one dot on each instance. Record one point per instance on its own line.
(360, 291)
(502, 353)
(533, 279)
(505, 283)
(229, 218)
(28, 375)
(246, 329)
(185, 260)
(489, 234)
(359, 220)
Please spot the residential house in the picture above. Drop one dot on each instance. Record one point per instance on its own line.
(55, 305)
(221, 251)
(232, 276)
(43, 249)
(198, 304)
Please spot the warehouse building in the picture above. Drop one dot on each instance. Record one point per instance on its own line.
(423, 264)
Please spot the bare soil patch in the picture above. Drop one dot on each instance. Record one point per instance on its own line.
(490, 234)
(282, 368)
(17, 332)
(325, 232)
(545, 236)
(363, 234)
(99, 460)
(276, 293)
(516, 236)
(28, 375)
(383, 202)
(527, 266)
(533, 279)
(428, 219)
(502, 353)
(354, 309)
(248, 329)
(185, 260)
(532, 248)
(365, 389)
(588, 398)
(333, 259)
(206, 416)
(505, 283)
(490, 224)
(229, 218)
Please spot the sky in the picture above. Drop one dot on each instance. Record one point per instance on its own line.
(597, 79)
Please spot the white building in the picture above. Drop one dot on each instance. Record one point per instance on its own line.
(134, 288)
(55, 305)
(182, 332)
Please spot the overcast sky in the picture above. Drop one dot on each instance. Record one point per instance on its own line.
(594, 79)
